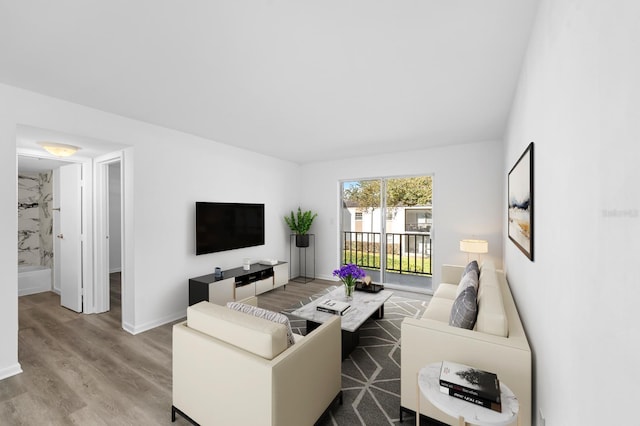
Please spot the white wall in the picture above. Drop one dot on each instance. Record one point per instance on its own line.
(8, 254)
(467, 197)
(579, 102)
(171, 170)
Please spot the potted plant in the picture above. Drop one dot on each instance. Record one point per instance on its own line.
(300, 224)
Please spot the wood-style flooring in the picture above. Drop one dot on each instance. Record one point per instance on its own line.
(85, 370)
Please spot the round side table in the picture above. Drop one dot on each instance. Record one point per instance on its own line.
(467, 413)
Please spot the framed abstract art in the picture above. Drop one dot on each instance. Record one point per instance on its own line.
(520, 203)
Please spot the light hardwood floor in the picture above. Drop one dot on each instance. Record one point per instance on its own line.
(85, 370)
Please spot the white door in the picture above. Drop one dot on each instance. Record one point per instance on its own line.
(70, 237)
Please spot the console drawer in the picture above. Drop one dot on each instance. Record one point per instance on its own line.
(242, 292)
(265, 285)
(221, 292)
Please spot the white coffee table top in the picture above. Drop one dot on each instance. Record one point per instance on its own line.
(429, 383)
(363, 306)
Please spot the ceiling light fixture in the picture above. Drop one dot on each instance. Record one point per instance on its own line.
(59, 149)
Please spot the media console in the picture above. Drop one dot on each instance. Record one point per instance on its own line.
(238, 283)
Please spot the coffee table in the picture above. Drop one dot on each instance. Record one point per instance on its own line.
(363, 306)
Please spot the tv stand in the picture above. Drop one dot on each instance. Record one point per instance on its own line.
(238, 283)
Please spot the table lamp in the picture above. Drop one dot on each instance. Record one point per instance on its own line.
(474, 246)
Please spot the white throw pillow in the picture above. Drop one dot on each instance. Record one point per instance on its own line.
(265, 314)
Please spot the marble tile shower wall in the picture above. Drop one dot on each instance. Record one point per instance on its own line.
(35, 221)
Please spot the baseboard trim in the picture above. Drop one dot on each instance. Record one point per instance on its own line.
(32, 290)
(133, 329)
(10, 371)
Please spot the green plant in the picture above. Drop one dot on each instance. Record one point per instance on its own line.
(300, 223)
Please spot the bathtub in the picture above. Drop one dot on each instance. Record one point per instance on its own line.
(33, 279)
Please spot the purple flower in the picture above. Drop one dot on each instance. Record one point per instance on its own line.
(349, 273)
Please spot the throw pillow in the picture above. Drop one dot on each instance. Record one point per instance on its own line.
(265, 314)
(465, 309)
(469, 279)
(472, 266)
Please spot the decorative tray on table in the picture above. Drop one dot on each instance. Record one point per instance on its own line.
(368, 286)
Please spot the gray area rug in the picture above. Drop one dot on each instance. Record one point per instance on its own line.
(371, 374)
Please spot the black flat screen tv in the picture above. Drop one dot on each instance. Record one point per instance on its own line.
(228, 226)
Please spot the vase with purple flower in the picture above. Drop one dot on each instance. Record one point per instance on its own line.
(349, 274)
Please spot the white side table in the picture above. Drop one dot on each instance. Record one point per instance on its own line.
(467, 413)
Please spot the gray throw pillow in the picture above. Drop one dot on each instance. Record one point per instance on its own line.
(265, 314)
(469, 279)
(465, 309)
(472, 266)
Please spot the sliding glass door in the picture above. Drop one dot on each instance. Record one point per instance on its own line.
(361, 233)
(386, 228)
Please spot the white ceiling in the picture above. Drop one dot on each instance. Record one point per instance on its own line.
(300, 80)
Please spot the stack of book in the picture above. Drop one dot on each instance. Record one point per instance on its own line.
(470, 384)
(335, 307)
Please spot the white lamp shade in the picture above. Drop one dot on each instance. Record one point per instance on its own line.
(474, 246)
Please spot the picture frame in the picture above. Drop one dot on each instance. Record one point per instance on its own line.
(520, 203)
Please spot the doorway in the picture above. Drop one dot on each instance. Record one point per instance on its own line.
(60, 228)
(113, 236)
(386, 227)
(109, 272)
(46, 240)
(83, 292)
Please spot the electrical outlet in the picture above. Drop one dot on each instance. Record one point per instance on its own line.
(541, 419)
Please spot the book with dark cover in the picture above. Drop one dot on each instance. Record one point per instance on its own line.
(471, 381)
(335, 307)
(492, 405)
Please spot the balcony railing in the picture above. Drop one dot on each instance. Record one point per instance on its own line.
(406, 253)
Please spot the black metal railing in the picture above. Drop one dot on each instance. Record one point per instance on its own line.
(405, 253)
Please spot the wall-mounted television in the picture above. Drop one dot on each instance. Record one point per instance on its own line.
(228, 226)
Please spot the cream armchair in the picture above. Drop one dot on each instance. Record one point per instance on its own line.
(230, 368)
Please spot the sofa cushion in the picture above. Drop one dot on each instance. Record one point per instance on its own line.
(259, 336)
(469, 279)
(446, 291)
(487, 266)
(266, 314)
(492, 318)
(464, 309)
(439, 309)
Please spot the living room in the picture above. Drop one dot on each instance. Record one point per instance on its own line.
(577, 99)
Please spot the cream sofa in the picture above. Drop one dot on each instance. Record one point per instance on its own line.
(231, 368)
(497, 343)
